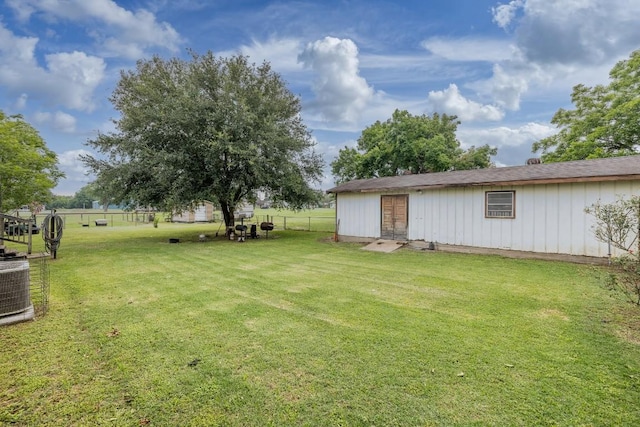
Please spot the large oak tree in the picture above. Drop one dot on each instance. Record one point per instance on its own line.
(218, 129)
(408, 144)
(605, 121)
(28, 169)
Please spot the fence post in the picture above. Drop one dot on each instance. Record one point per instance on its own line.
(29, 224)
(285, 223)
(52, 233)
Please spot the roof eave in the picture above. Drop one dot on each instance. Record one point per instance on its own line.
(542, 181)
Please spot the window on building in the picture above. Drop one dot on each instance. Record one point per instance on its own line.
(500, 204)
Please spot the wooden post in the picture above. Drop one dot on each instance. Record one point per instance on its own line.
(637, 254)
(1, 230)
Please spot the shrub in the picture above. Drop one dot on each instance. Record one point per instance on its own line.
(618, 225)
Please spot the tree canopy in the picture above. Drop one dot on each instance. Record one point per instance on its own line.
(28, 169)
(605, 121)
(408, 144)
(217, 129)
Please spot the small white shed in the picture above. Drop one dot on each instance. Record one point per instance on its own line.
(534, 208)
(203, 212)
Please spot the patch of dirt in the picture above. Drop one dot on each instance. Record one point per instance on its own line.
(547, 313)
(113, 333)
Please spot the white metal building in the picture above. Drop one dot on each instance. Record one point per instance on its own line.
(537, 208)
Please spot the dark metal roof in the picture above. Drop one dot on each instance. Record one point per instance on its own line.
(609, 169)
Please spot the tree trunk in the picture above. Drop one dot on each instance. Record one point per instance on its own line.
(229, 216)
(638, 230)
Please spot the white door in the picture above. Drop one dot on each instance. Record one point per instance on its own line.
(201, 214)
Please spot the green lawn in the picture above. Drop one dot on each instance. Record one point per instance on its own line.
(298, 330)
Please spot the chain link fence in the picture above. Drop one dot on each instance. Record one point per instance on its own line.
(298, 223)
(280, 222)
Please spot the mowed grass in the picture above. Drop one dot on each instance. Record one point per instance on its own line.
(299, 330)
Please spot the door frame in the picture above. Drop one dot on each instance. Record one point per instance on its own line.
(396, 233)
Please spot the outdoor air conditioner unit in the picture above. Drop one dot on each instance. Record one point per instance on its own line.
(15, 297)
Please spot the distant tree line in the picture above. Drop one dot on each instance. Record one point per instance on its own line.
(82, 199)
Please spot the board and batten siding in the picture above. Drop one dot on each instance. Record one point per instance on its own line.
(359, 215)
(549, 218)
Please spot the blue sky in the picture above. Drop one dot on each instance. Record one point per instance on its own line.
(503, 67)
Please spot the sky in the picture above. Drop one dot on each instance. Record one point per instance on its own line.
(504, 68)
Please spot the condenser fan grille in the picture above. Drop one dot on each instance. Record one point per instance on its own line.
(14, 287)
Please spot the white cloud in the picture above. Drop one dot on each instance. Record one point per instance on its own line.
(282, 54)
(504, 14)
(508, 87)
(503, 136)
(451, 101)
(80, 75)
(512, 79)
(21, 102)
(70, 163)
(59, 120)
(560, 42)
(69, 79)
(329, 152)
(15, 49)
(469, 49)
(21, 8)
(76, 174)
(341, 93)
(513, 142)
(119, 32)
(573, 31)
